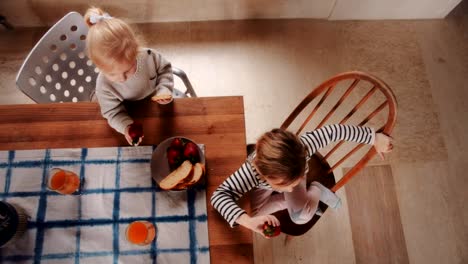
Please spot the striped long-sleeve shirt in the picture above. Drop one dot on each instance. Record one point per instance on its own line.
(246, 177)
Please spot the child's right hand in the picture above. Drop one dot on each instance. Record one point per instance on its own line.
(383, 144)
(256, 223)
(162, 99)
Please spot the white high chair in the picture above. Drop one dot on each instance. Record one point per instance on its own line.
(58, 70)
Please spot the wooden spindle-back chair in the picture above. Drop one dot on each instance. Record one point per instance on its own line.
(365, 88)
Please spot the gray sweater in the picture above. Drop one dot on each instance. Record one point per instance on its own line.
(153, 76)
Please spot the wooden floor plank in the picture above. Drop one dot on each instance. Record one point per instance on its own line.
(375, 217)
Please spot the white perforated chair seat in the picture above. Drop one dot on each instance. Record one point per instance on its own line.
(57, 69)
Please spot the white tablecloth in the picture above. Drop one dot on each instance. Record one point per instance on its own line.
(90, 227)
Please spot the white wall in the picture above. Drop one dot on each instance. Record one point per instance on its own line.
(47, 12)
(391, 9)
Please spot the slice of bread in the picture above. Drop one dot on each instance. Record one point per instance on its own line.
(161, 97)
(178, 175)
(197, 172)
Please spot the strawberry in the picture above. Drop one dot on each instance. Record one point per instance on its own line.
(191, 152)
(271, 231)
(135, 131)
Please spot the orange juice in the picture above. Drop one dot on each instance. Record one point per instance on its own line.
(141, 233)
(63, 181)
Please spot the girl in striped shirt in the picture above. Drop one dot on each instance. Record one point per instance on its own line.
(276, 173)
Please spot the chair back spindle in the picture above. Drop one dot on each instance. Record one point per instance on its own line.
(359, 82)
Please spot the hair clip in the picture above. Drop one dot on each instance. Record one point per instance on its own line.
(97, 18)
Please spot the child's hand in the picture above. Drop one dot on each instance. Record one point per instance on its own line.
(162, 99)
(383, 144)
(130, 139)
(256, 223)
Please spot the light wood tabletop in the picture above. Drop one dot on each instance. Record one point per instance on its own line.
(217, 122)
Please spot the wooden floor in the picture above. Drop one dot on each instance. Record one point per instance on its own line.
(375, 217)
(275, 63)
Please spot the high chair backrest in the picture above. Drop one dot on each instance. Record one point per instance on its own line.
(58, 69)
(347, 96)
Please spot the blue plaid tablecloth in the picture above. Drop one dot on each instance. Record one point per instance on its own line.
(90, 227)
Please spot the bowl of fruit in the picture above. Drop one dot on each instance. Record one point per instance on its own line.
(177, 164)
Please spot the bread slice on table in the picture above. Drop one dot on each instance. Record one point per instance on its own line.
(197, 172)
(177, 176)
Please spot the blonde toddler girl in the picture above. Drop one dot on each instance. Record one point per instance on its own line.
(127, 71)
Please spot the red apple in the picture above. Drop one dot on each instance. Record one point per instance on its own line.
(191, 152)
(174, 157)
(177, 143)
(135, 131)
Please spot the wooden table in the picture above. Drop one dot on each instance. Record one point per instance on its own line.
(217, 122)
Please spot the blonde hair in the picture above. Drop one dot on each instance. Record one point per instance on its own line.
(109, 40)
(280, 156)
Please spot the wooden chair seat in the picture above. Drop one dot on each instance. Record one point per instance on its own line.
(318, 172)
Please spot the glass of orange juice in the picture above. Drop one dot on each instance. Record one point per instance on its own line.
(140, 233)
(63, 181)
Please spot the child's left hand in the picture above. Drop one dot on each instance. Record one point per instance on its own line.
(383, 144)
(162, 99)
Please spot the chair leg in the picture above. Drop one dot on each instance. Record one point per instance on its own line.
(5, 23)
